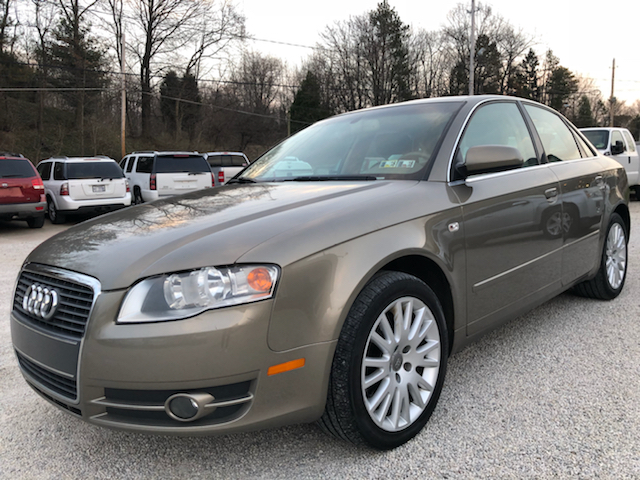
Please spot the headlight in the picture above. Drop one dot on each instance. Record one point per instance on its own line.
(185, 294)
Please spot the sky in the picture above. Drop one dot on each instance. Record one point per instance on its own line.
(586, 39)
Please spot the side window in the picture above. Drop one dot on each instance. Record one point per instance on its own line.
(44, 169)
(616, 136)
(145, 165)
(499, 124)
(132, 160)
(630, 141)
(557, 140)
(123, 163)
(58, 171)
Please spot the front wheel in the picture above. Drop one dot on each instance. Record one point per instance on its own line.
(608, 282)
(389, 364)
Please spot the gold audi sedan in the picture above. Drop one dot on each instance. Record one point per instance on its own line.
(329, 281)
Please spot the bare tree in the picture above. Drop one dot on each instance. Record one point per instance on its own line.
(160, 26)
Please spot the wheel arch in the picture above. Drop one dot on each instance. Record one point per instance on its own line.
(430, 273)
(623, 211)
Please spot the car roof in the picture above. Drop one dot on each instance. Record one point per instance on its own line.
(240, 154)
(98, 158)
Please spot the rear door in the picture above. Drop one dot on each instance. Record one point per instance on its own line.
(582, 187)
(511, 260)
(181, 173)
(16, 182)
(95, 180)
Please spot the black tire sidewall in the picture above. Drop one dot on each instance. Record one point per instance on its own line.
(613, 292)
(387, 288)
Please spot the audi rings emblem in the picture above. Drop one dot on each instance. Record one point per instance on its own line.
(41, 302)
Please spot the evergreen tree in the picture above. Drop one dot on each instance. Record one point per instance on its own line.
(180, 115)
(307, 106)
(78, 63)
(561, 85)
(585, 117)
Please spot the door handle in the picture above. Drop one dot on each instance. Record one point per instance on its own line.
(551, 193)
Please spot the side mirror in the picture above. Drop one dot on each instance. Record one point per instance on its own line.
(490, 158)
(617, 148)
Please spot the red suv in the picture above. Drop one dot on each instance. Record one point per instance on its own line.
(21, 191)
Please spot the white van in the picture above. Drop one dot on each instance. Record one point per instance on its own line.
(154, 175)
(619, 144)
(225, 165)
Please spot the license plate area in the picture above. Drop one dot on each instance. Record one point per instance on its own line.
(98, 188)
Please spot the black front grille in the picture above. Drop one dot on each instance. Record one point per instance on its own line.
(64, 386)
(75, 301)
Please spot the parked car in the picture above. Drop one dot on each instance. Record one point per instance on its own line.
(83, 185)
(330, 281)
(226, 165)
(155, 175)
(619, 144)
(21, 191)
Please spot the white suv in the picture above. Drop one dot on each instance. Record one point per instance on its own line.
(78, 185)
(225, 165)
(154, 175)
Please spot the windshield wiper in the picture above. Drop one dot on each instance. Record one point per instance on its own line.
(241, 180)
(329, 178)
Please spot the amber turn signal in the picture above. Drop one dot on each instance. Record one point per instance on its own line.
(259, 279)
(285, 367)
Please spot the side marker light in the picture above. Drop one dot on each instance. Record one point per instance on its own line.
(285, 367)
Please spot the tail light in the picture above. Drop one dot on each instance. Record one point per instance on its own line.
(213, 179)
(152, 182)
(64, 189)
(221, 177)
(37, 184)
(126, 182)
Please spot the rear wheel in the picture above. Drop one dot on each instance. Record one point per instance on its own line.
(36, 222)
(137, 196)
(389, 364)
(54, 215)
(608, 282)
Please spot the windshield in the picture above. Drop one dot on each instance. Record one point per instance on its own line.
(77, 171)
(181, 164)
(599, 138)
(10, 168)
(389, 143)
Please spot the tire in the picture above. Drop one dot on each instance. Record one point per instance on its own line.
(54, 215)
(383, 397)
(609, 281)
(137, 196)
(36, 222)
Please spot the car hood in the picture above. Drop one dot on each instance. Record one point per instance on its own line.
(222, 226)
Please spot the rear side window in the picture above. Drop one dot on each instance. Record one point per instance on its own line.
(180, 164)
(145, 165)
(16, 168)
(44, 169)
(132, 160)
(78, 171)
(58, 171)
(630, 141)
(557, 140)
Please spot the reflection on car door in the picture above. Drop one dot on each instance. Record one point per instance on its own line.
(510, 258)
(582, 186)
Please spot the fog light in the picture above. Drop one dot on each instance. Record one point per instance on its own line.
(187, 407)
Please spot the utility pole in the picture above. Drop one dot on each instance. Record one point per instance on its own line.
(123, 106)
(472, 48)
(612, 100)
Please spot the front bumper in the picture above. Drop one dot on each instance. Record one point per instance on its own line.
(120, 376)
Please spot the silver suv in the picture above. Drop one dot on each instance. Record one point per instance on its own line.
(154, 175)
(78, 185)
(225, 165)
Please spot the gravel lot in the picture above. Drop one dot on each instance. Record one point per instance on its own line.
(553, 394)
